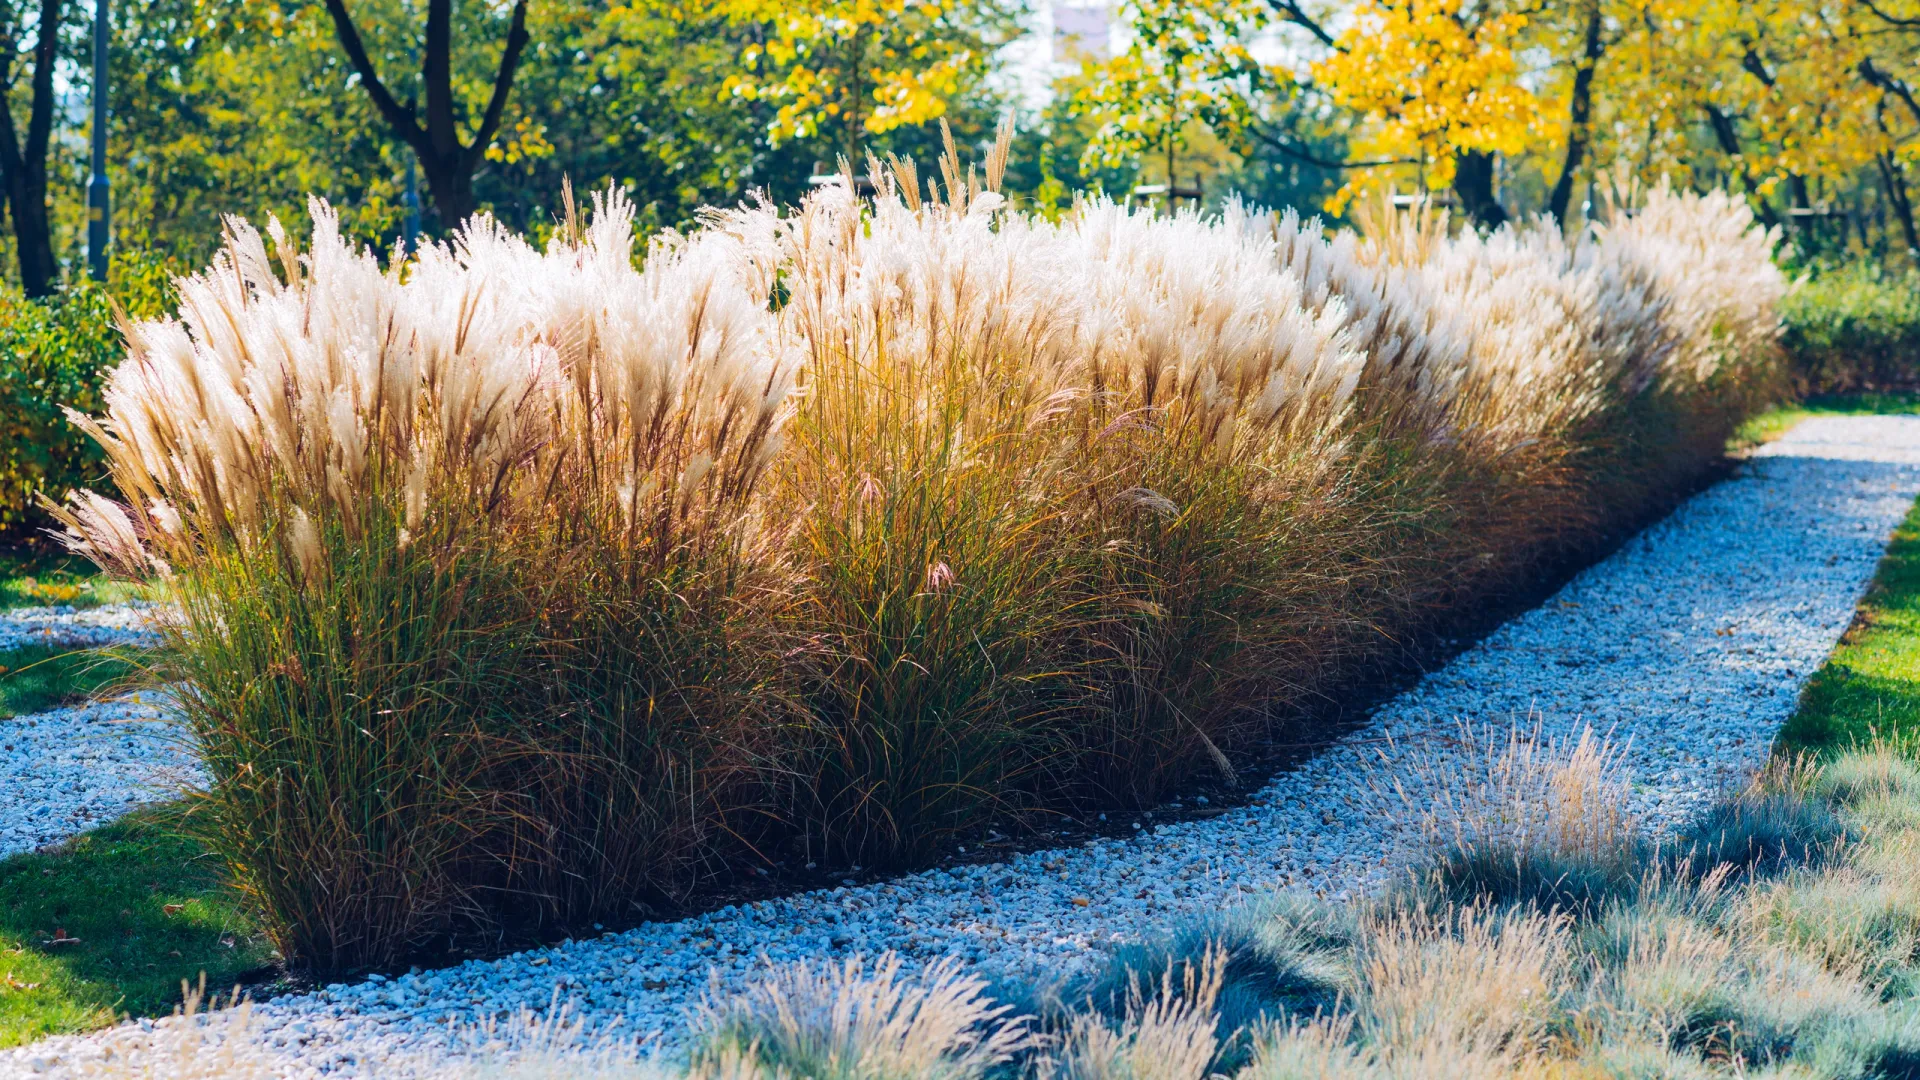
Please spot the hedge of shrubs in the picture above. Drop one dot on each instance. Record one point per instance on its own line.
(531, 586)
(1855, 327)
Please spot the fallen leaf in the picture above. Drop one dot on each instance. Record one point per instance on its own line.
(1081, 901)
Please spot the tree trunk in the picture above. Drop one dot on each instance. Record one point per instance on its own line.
(1729, 140)
(1897, 197)
(450, 186)
(1473, 185)
(1581, 113)
(449, 166)
(25, 165)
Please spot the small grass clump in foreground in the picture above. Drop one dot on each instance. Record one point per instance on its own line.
(109, 923)
(1778, 936)
(1870, 687)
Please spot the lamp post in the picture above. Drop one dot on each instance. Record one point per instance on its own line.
(97, 191)
(411, 200)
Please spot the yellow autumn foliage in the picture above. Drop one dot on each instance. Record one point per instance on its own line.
(1433, 81)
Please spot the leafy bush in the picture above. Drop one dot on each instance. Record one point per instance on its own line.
(526, 585)
(1855, 328)
(56, 354)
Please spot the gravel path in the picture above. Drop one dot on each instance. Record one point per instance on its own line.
(67, 628)
(68, 770)
(1689, 645)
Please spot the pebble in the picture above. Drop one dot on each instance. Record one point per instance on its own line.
(72, 769)
(63, 626)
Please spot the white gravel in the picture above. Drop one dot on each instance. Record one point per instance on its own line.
(69, 770)
(65, 627)
(72, 769)
(1690, 645)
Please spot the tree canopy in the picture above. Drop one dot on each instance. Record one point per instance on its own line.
(1810, 108)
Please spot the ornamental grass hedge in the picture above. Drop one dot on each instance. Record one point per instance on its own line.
(534, 587)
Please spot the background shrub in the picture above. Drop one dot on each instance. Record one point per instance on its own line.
(1855, 327)
(56, 353)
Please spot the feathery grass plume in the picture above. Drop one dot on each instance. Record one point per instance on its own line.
(857, 1021)
(924, 479)
(523, 585)
(651, 560)
(384, 502)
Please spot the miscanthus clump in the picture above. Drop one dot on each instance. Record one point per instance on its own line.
(534, 586)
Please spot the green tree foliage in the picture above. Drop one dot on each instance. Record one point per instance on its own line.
(247, 106)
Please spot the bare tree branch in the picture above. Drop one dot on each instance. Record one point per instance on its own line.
(1884, 17)
(517, 38)
(1888, 84)
(1291, 11)
(397, 115)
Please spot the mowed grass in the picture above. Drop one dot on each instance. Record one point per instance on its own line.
(1776, 422)
(38, 578)
(1870, 686)
(109, 924)
(38, 678)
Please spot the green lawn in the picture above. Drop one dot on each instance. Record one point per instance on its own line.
(35, 578)
(143, 908)
(1870, 686)
(37, 678)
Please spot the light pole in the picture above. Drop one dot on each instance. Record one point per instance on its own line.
(97, 192)
(412, 198)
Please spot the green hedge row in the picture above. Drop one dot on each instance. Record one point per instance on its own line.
(1855, 328)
